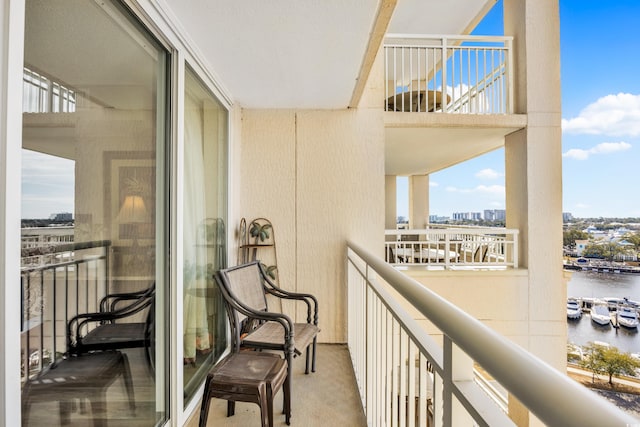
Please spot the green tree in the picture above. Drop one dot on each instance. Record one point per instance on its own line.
(594, 251)
(606, 250)
(633, 238)
(593, 359)
(569, 237)
(608, 361)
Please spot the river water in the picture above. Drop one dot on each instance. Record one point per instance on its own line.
(600, 285)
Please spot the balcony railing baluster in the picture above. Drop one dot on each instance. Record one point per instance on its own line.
(80, 281)
(454, 248)
(471, 74)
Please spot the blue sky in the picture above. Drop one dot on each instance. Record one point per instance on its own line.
(600, 45)
(600, 62)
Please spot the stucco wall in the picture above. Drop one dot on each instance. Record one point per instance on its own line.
(318, 175)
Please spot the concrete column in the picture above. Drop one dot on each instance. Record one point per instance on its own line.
(390, 200)
(533, 169)
(418, 201)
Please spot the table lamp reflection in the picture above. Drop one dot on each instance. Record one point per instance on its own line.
(133, 218)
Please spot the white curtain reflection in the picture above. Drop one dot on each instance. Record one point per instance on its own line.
(196, 329)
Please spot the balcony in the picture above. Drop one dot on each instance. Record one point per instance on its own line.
(391, 372)
(453, 248)
(448, 74)
(396, 362)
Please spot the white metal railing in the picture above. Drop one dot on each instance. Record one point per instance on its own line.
(447, 73)
(453, 247)
(72, 280)
(42, 95)
(405, 378)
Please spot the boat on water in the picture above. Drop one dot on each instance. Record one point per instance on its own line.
(600, 314)
(627, 316)
(614, 302)
(574, 309)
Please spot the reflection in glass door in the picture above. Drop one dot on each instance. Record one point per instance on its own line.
(205, 229)
(93, 198)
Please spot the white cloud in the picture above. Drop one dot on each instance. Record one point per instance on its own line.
(493, 189)
(582, 206)
(489, 174)
(616, 115)
(490, 189)
(433, 184)
(603, 148)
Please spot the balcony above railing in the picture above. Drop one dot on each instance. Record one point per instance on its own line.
(44, 95)
(448, 74)
(453, 248)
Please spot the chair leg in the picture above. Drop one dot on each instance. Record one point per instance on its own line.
(206, 401)
(231, 408)
(65, 411)
(286, 391)
(288, 387)
(313, 364)
(266, 409)
(128, 383)
(307, 360)
(99, 410)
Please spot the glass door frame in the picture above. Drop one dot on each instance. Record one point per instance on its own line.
(157, 22)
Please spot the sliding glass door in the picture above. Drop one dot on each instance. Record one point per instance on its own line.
(94, 203)
(204, 230)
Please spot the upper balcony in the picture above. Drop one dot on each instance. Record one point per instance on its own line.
(448, 91)
(448, 74)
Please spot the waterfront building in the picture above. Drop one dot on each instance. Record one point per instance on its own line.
(182, 118)
(62, 216)
(462, 216)
(580, 246)
(495, 215)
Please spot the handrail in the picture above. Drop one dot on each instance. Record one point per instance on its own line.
(533, 382)
(64, 247)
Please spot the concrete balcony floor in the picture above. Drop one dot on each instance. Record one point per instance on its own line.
(328, 397)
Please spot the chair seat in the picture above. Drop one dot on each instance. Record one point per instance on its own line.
(112, 335)
(88, 376)
(271, 335)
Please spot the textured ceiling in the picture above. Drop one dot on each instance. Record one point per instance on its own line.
(303, 53)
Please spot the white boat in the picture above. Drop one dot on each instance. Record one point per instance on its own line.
(574, 311)
(600, 314)
(627, 316)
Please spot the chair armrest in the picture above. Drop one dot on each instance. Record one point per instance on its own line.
(110, 301)
(277, 291)
(80, 321)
